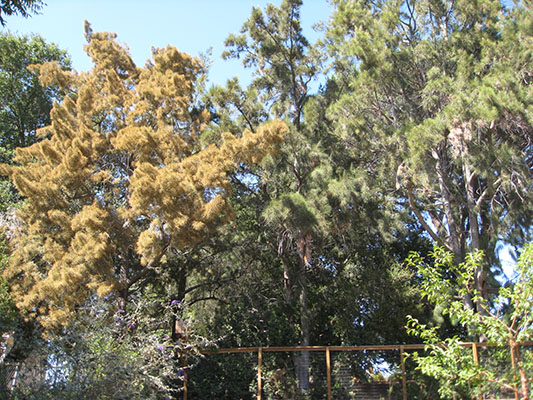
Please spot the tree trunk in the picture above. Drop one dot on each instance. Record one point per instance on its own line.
(303, 359)
(453, 241)
(480, 274)
(517, 364)
(124, 280)
(177, 327)
(287, 285)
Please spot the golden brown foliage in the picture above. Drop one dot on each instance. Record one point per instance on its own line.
(119, 178)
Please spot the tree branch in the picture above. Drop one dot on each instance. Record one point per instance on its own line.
(419, 216)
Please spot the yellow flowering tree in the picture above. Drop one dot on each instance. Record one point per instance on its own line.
(120, 179)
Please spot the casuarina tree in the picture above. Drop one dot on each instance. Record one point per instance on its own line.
(437, 115)
(119, 181)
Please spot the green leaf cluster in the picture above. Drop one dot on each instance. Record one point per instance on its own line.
(504, 323)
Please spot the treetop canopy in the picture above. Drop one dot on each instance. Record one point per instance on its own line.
(120, 178)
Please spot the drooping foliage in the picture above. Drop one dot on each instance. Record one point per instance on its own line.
(119, 180)
(437, 115)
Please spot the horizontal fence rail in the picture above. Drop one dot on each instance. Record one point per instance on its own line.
(328, 350)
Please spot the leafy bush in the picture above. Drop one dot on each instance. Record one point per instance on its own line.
(505, 322)
(111, 354)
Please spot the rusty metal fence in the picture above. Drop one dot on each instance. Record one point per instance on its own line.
(381, 372)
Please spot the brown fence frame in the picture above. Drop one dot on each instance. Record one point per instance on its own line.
(328, 349)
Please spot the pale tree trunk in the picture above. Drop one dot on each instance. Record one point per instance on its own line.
(303, 359)
(480, 275)
(453, 241)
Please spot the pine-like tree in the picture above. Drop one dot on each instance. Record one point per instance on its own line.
(295, 184)
(120, 181)
(437, 115)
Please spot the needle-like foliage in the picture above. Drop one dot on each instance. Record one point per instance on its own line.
(120, 180)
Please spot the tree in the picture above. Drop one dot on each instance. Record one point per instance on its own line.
(24, 104)
(437, 115)
(22, 7)
(506, 323)
(285, 64)
(120, 183)
(319, 232)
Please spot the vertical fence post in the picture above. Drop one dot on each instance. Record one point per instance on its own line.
(476, 361)
(404, 378)
(328, 371)
(259, 380)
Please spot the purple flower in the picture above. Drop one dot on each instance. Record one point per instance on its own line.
(160, 348)
(120, 311)
(181, 372)
(131, 325)
(174, 302)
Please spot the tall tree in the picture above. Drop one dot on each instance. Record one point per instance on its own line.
(120, 182)
(272, 43)
(437, 115)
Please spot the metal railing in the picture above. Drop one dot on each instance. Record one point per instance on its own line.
(328, 369)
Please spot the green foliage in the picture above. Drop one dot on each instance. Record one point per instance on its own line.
(22, 7)
(7, 308)
(125, 354)
(25, 103)
(505, 322)
(272, 43)
(324, 268)
(435, 115)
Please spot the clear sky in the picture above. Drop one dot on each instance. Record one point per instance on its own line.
(192, 26)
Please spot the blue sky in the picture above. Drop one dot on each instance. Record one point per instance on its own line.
(192, 26)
